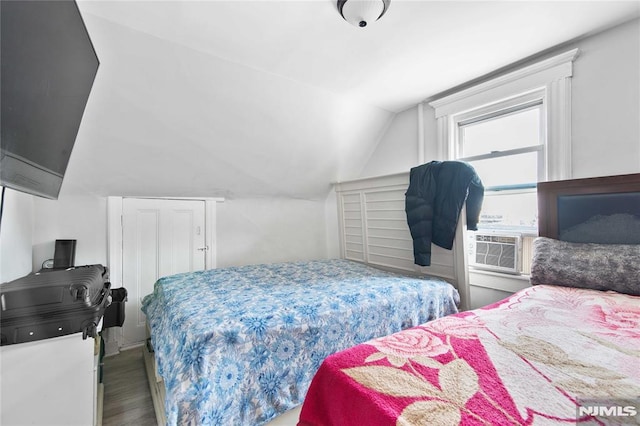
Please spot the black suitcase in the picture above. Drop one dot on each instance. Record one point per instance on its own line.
(54, 303)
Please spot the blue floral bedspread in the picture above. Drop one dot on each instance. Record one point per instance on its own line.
(240, 345)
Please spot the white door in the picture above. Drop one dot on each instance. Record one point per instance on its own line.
(159, 238)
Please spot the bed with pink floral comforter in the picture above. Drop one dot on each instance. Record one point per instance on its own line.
(528, 359)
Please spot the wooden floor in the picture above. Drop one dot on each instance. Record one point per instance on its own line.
(127, 399)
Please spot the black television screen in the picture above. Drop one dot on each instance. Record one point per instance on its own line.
(48, 65)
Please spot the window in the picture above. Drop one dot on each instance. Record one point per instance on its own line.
(515, 130)
(505, 143)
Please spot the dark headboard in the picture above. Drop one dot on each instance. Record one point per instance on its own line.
(598, 210)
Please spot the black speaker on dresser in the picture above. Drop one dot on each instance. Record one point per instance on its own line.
(64, 255)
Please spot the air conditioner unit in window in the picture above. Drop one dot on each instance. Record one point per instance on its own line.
(496, 252)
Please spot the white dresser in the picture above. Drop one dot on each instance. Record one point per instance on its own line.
(50, 382)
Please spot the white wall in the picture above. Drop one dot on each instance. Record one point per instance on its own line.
(397, 150)
(606, 103)
(605, 111)
(16, 235)
(270, 230)
(331, 225)
(264, 230)
(249, 133)
(73, 217)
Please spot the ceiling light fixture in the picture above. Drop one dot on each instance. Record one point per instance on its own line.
(362, 12)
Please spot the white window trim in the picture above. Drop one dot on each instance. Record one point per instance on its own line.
(551, 76)
(537, 95)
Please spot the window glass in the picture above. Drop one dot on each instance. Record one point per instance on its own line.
(509, 210)
(516, 130)
(508, 170)
(509, 177)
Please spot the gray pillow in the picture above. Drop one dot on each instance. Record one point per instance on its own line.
(583, 265)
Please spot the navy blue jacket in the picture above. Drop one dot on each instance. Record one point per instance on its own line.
(437, 191)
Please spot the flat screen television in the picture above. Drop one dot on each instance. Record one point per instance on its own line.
(48, 65)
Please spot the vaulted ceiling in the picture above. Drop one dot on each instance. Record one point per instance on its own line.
(280, 98)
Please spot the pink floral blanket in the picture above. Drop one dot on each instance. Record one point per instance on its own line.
(525, 360)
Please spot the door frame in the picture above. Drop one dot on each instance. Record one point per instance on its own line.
(114, 249)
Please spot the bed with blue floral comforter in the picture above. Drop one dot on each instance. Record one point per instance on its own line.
(240, 345)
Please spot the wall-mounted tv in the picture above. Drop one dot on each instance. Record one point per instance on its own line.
(48, 65)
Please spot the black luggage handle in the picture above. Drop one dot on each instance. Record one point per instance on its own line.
(79, 292)
(92, 328)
